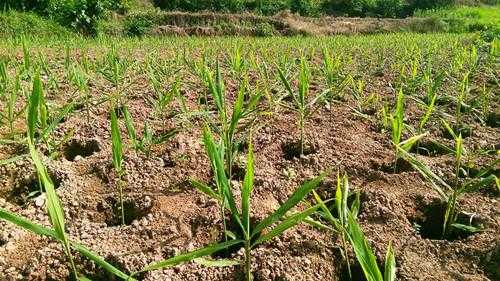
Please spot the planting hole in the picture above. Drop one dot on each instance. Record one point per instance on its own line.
(430, 224)
(292, 150)
(238, 172)
(465, 130)
(490, 263)
(133, 210)
(356, 273)
(401, 166)
(83, 149)
(234, 228)
(493, 120)
(430, 148)
(28, 189)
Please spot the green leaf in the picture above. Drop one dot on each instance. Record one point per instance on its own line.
(12, 159)
(449, 129)
(216, 263)
(436, 182)
(33, 103)
(221, 179)
(116, 142)
(475, 185)
(467, 228)
(390, 264)
(408, 144)
(363, 251)
(285, 82)
(428, 112)
(237, 111)
(191, 255)
(296, 197)
(205, 189)
(247, 191)
(129, 123)
(289, 222)
(55, 121)
(26, 224)
(100, 261)
(327, 214)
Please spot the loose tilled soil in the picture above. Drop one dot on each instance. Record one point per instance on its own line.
(166, 216)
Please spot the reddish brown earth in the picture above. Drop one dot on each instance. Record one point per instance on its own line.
(171, 217)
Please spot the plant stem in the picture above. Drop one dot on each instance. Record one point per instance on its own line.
(71, 261)
(346, 256)
(120, 188)
(301, 124)
(248, 261)
(396, 160)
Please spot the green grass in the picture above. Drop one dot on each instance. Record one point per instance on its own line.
(14, 23)
(467, 18)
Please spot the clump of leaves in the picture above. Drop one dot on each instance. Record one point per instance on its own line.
(345, 223)
(229, 126)
(396, 120)
(451, 194)
(275, 224)
(116, 142)
(302, 104)
(148, 139)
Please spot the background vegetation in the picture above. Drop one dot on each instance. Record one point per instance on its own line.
(135, 17)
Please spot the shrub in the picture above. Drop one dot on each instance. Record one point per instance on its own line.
(82, 15)
(137, 25)
(14, 23)
(200, 5)
(268, 7)
(265, 29)
(391, 8)
(430, 4)
(306, 7)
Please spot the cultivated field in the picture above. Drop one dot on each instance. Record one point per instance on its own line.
(369, 157)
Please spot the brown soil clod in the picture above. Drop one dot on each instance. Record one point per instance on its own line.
(82, 148)
(291, 150)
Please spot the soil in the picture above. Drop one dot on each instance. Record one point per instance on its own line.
(166, 216)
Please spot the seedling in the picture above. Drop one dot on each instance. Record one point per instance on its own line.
(10, 114)
(448, 194)
(237, 62)
(229, 126)
(339, 223)
(114, 71)
(79, 78)
(251, 236)
(148, 138)
(301, 103)
(397, 126)
(117, 158)
(54, 206)
(346, 225)
(46, 123)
